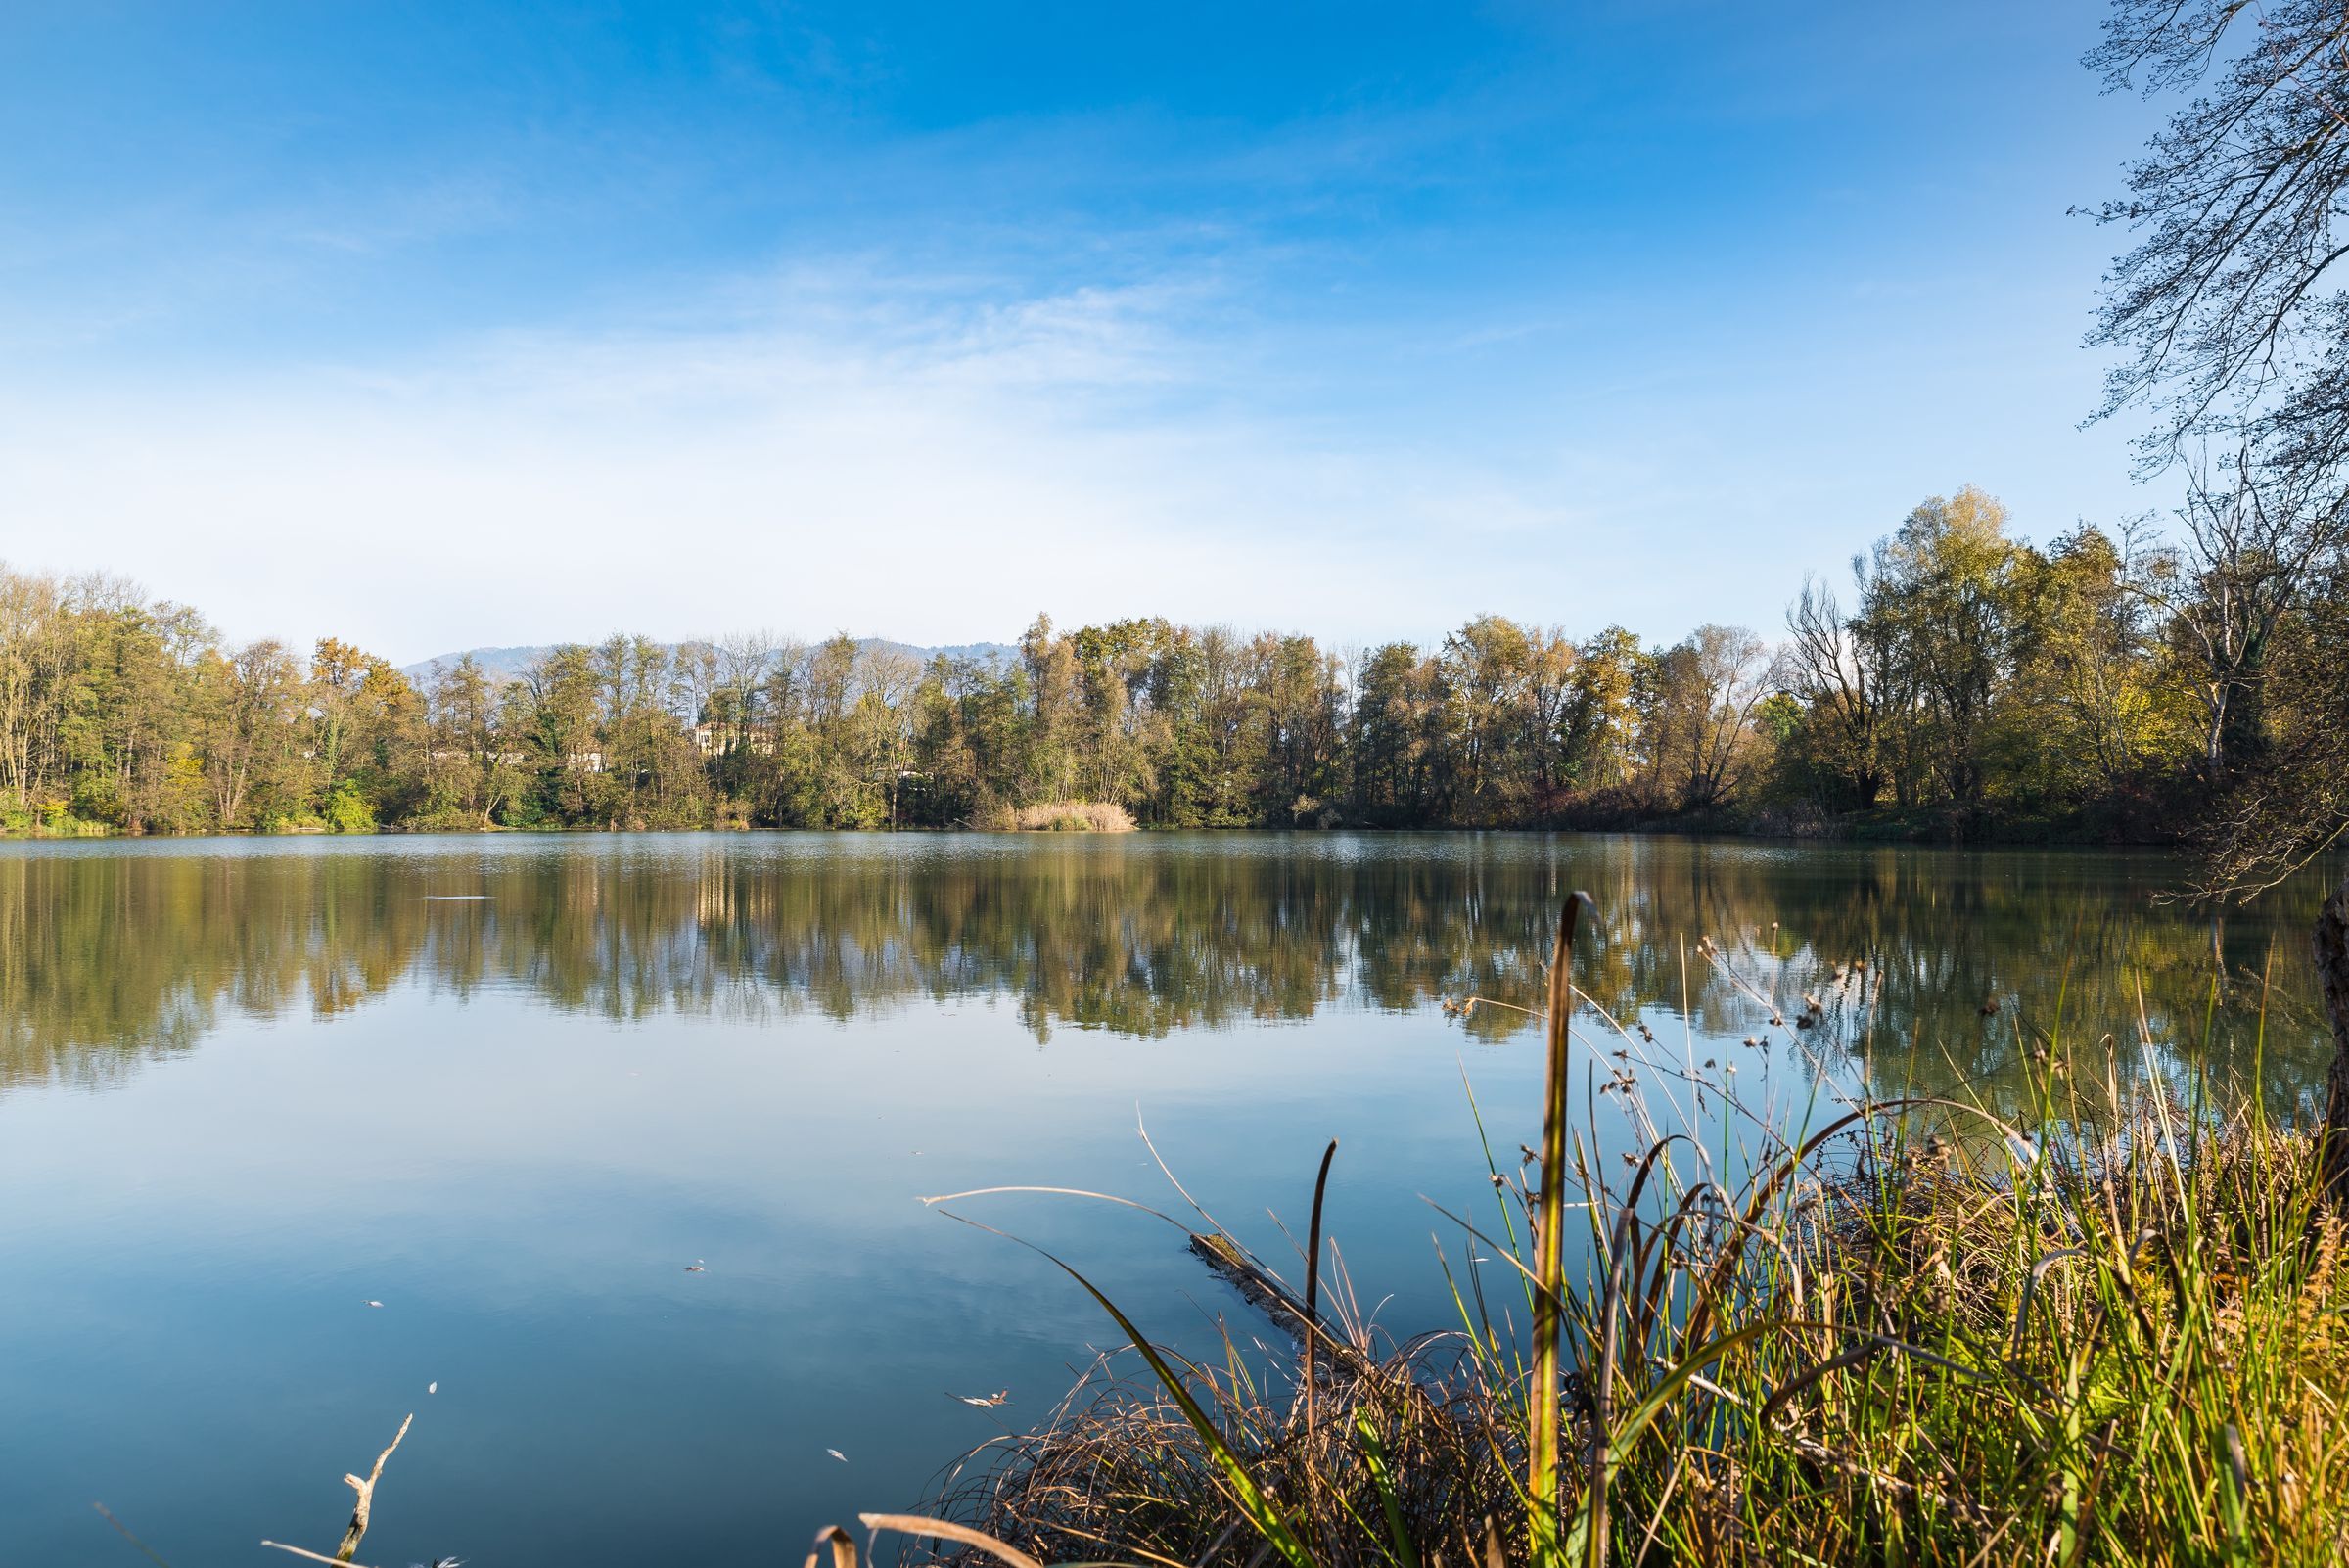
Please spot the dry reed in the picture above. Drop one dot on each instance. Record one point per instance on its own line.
(1059, 817)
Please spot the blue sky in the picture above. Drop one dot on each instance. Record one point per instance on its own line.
(440, 325)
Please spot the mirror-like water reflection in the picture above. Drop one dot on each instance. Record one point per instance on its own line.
(113, 953)
(511, 1087)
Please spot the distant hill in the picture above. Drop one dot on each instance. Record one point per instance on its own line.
(500, 663)
(507, 663)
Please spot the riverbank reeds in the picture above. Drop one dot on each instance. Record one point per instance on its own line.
(1895, 1332)
(1059, 817)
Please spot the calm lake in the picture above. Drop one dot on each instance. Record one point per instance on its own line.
(511, 1088)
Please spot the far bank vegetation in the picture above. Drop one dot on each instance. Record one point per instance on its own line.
(1961, 682)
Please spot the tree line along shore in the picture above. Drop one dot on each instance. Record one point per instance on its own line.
(1961, 682)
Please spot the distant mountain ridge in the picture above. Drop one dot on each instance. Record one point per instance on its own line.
(507, 663)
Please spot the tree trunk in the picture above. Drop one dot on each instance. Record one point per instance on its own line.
(2332, 978)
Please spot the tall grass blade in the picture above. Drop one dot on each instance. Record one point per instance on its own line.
(1549, 1284)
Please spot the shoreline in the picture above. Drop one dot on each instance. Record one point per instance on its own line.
(1858, 833)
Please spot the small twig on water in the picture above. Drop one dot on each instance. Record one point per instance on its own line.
(302, 1551)
(366, 1497)
(352, 1537)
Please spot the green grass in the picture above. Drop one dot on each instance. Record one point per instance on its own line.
(48, 821)
(1914, 1333)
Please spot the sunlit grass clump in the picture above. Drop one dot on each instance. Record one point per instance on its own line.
(1059, 817)
(1911, 1332)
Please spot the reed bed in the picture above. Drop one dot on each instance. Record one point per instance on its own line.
(1059, 817)
(1906, 1331)
(1119, 1474)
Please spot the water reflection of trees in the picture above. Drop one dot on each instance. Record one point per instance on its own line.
(104, 960)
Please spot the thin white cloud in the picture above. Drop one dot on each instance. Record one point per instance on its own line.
(938, 456)
(882, 460)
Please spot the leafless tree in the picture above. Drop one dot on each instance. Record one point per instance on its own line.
(2233, 323)
(1828, 672)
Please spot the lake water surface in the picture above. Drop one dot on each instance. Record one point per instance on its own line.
(511, 1087)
